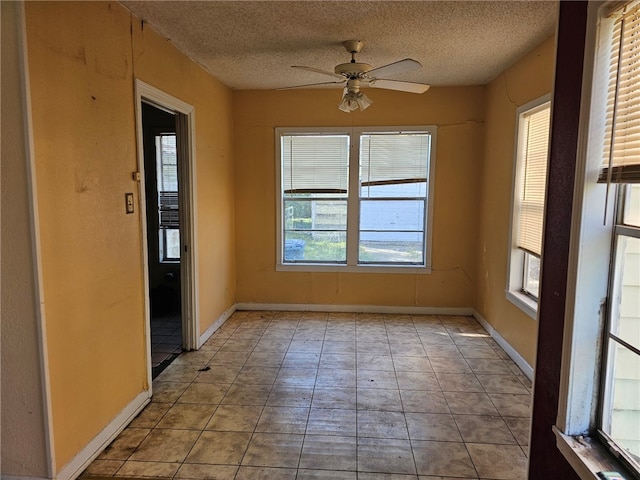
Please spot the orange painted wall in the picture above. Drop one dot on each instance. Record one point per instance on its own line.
(529, 78)
(458, 114)
(83, 58)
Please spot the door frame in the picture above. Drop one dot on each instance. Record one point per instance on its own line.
(185, 135)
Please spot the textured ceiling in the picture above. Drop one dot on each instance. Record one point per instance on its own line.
(252, 44)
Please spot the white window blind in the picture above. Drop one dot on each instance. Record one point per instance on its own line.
(315, 164)
(391, 159)
(534, 150)
(622, 142)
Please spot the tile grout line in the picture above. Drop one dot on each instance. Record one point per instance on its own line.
(253, 433)
(404, 414)
(182, 463)
(306, 426)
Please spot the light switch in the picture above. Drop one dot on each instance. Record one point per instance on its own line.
(129, 202)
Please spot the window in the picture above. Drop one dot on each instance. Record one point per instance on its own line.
(168, 212)
(620, 393)
(620, 404)
(602, 328)
(528, 204)
(354, 198)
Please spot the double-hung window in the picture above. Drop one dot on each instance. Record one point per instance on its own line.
(619, 419)
(600, 384)
(168, 211)
(356, 198)
(528, 204)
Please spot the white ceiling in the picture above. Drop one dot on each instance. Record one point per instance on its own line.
(252, 44)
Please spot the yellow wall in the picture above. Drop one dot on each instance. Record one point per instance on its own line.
(83, 58)
(458, 114)
(531, 77)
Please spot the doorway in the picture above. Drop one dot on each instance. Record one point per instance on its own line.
(167, 192)
(163, 234)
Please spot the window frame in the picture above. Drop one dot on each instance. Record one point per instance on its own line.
(516, 262)
(353, 201)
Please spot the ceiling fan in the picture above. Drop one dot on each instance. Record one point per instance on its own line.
(356, 75)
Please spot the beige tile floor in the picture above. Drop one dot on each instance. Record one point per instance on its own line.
(293, 395)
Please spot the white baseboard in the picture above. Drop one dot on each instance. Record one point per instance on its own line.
(313, 307)
(82, 460)
(506, 346)
(216, 325)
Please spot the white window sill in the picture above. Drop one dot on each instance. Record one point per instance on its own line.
(308, 267)
(524, 302)
(587, 456)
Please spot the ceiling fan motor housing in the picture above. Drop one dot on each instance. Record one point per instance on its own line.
(353, 70)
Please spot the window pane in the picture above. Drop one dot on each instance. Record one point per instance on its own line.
(391, 247)
(315, 214)
(625, 321)
(621, 418)
(169, 244)
(321, 247)
(632, 206)
(167, 160)
(315, 231)
(392, 215)
(531, 278)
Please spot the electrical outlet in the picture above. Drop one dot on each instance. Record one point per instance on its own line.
(128, 202)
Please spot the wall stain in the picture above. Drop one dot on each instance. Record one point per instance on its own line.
(114, 68)
(81, 187)
(77, 55)
(63, 46)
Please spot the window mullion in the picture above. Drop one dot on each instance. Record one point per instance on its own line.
(353, 202)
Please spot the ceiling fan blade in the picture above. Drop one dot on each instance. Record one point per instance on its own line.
(312, 85)
(400, 66)
(401, 86)
(317, 70)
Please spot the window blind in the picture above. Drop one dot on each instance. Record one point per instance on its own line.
(168, 209)
(534, 150)
(391, 159)
(315, 164)
(167, 175)
(622, 141)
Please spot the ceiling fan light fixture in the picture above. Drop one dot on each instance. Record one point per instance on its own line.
(354, 100)
(363, 101)
(349, 102)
